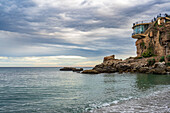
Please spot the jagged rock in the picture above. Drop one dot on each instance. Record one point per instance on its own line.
(168, 69)
(151, 71)
(143, 70)
(106, 70)
(133, 70)
(90, 72)
(112, 57)
(160, 65)
(159, 71)
(123, 67)
(67, 69)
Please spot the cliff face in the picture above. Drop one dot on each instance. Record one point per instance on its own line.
(155, 42)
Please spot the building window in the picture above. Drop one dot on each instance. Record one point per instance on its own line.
(140, 29)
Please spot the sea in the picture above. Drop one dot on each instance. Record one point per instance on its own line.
(48, 90)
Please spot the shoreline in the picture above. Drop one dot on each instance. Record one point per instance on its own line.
(156, 102)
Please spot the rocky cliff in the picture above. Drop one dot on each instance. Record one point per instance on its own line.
(155, 41)
(153, 53)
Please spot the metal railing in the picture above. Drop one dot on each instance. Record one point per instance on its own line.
(141, 22)
(154, 19)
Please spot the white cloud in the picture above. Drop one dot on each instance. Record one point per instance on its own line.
(92, 21)
(75, 36)
(65, 17)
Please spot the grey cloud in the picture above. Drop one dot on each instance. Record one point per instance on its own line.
(25, 17)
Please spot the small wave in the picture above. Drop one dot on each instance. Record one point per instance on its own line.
(157, 101)
(101, 105)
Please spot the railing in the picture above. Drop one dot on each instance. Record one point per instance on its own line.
(154, 19)
(141, 22)
(163, 15)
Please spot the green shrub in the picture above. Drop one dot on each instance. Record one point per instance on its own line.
(147, 53)
(156, 24)
(162, 59)
(138, 58)
(168, 57)
(160, 25)
(142, 44)
(168, 64)
(151, 62)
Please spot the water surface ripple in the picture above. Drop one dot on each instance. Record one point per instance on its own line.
(43, 90)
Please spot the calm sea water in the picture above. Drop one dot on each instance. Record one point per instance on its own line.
(48, 90)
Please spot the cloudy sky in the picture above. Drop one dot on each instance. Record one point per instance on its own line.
(70, 32)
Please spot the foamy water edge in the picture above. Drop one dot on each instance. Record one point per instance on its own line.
(156, 102)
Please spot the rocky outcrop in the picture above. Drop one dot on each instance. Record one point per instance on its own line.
(90, 72)
(67, 69)
(77, 70)
(71, 69)
(132, 64)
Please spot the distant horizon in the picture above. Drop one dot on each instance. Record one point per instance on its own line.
(41, 33)
(52, 67)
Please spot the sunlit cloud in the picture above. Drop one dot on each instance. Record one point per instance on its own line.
(55, 61)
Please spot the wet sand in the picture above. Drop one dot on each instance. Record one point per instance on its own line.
(158, 102)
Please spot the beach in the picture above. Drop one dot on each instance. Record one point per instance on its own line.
(158, 102)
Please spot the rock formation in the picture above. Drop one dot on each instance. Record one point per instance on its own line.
(71, 69)
(153, 51)
(133, 65)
